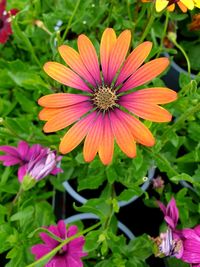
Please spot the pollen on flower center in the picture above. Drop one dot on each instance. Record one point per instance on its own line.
(104, 98)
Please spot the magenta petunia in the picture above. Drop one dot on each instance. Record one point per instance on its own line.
(5, 21)
(70, 255)
(27, 157)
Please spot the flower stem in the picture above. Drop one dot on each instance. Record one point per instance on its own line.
(179, 121)
(163, 34)
(173, 40)
(70, 20)
(66, 241)
(148, 26)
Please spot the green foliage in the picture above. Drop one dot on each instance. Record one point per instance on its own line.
(35, 40)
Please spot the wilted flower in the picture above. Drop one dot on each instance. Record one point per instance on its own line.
(27, 157)
(168, 244)
(183, 244)
(158, 183)
(5, 19)
(195, 24)
(184, 5)
(70, 255)
(44, 164)
(106, 111)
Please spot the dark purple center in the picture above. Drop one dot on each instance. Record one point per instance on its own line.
(1, 24)
(172, 2)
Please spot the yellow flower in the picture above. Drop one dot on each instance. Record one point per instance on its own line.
(184, 5)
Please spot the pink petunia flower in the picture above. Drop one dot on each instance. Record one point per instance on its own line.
(5, 19)
(26, 157)
(70, 255)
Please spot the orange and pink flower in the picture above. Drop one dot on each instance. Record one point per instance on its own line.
(108, 108)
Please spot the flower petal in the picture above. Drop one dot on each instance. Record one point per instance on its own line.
(93, 139)
(60, 100)
(89, 57)
(76, 134)
(123, 136)
(47, 113)
(64, 75)
(172, 211)
(108, 40)
(171, 7)
(73, 59)
(148, 111)
(40, 250)
(146, 73)
(188, 3)
(106, 147)
(118, 54)
(134, 61)
(23, 149)
(66, 117)
(161, 4)
(158, 95)
(22, 172)
(190, 256)
(139, 131)
(10, 150)
(9, 160)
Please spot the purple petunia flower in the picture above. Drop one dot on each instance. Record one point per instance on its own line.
(27, 156)
(70, 255)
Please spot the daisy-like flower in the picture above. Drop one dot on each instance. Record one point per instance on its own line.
(191, 245)
(5, 18)
(184, 5)
(28, 158)
(70, 255)
(171, 213)
(183, 244)
(108, 109)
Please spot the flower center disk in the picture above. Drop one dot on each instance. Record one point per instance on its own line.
(104, 98)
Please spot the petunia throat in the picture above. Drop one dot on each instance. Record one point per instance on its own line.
(104, 98)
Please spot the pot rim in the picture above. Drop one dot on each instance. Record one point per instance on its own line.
(86, 216)
(81, 199)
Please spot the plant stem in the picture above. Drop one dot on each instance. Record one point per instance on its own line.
(148, 26)
(66, 241)
(70, 20)
(164, 33)
(179, 121)
(173, 40)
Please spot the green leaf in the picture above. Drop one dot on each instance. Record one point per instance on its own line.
(91, 240)
(182, 176)
(99, 207)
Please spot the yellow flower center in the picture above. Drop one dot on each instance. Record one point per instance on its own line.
(104, 98)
